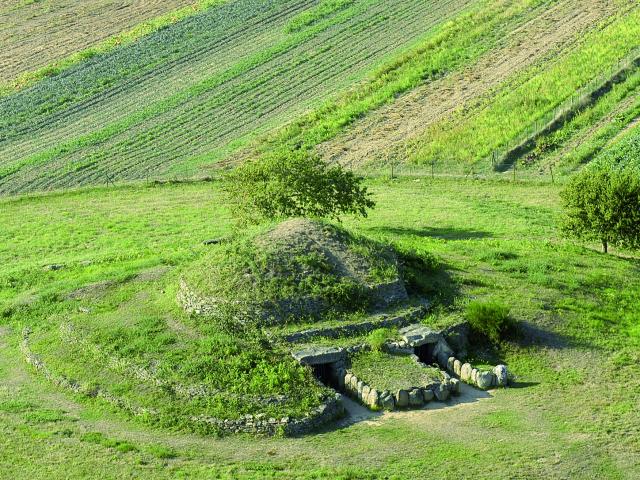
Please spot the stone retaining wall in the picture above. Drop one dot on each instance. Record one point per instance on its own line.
(272, 313)
(376, 399)
(382, 321)
(330, 410)
(483, 379)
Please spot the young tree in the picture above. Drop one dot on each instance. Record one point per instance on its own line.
(602, 202)
(298, 184)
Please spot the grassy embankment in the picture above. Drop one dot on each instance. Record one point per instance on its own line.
(470, 137)
(571, 412)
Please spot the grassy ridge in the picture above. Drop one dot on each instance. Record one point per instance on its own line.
(472, 136)
(592, 129)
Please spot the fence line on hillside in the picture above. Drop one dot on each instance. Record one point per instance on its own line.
(588, 93)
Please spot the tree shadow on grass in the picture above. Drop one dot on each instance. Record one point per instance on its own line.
(443, 233)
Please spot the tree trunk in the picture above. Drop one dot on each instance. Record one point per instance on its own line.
(605, 246)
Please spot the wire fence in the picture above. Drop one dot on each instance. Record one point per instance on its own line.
(587, 94)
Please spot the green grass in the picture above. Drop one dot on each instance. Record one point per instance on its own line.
(591, 130)
(471, 136)
(576, 385)
(383, 371)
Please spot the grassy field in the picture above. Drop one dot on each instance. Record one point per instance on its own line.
(572, 411)
(189, 94)
(37, 34)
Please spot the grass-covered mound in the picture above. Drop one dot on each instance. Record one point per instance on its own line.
(392, 372)
(299, 268)
(139, 349)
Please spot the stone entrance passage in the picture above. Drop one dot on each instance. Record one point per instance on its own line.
(425, 353)
(323, 372)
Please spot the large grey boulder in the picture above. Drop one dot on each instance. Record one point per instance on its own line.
(501, 374)
(454, 386)
(417, 335)
(457, 366)
(441, 392)
(387, 402)
(465, 372)
(427, 394)
(402, 399)
(442, 352)
(415, 397)
(319, 355)
(364, 395)
(485, 379)
(373, 398)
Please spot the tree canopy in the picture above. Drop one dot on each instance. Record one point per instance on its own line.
(299, 184)
(602, 202)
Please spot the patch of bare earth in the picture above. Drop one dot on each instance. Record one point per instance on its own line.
(33, 34)
(540, 34)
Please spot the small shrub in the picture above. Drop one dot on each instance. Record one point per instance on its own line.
(377, 338)
(417, 267)
(490, 319)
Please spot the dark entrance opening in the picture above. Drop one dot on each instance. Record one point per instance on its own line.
(323, 372)
(425, 353)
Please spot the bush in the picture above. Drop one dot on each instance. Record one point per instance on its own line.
(377, 338)
(490, 319)
(417, 267)
(602, 202)
(298, 184)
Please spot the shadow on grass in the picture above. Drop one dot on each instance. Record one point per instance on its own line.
(530, 335)
(443, 233)
(516, 384)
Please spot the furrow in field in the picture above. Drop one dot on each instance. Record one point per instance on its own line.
(319, 80)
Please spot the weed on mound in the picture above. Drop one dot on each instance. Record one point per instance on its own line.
(299, 268)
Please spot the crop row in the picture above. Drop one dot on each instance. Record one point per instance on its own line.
(203, 117)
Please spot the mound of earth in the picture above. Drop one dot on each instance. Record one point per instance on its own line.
(300, 269)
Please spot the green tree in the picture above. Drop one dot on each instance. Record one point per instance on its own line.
(602, 202)
(295, 185)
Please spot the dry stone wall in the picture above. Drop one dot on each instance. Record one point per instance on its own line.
(379, 321)
(259, 423)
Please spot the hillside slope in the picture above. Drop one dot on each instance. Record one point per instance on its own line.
(451, 82)
(191, 92)
(35, 33)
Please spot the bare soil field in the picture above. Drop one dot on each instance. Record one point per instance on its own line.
(35, 33)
